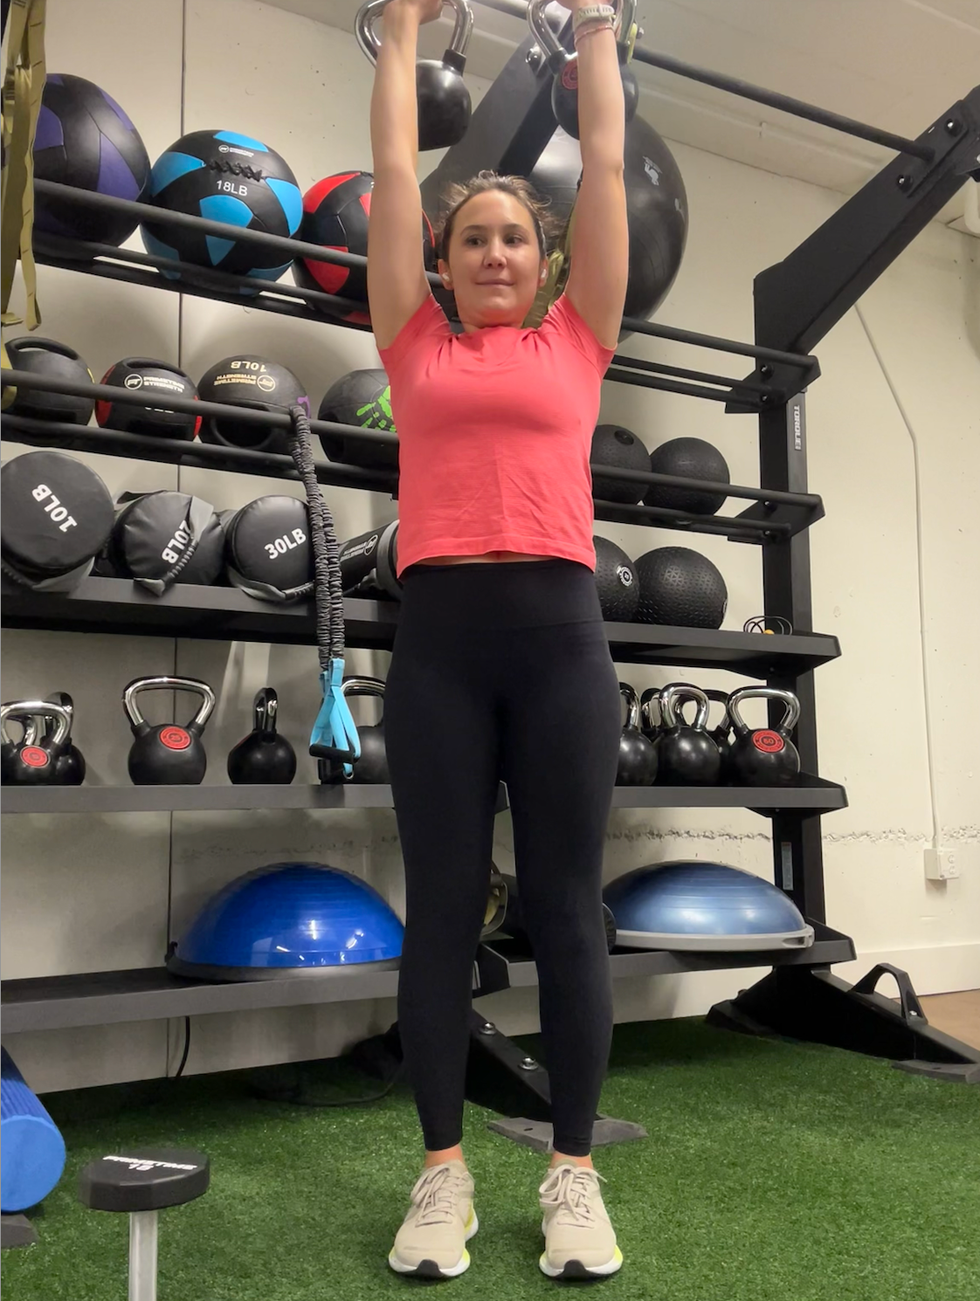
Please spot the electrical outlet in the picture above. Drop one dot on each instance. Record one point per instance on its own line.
(942, 864)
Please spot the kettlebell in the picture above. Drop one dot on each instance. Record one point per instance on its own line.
(564, 89)
(721, 734)
(650, 719)
(372, 767)
(167, 755)
(263, 757)
(444, 105)
(27, 762)
(70, 767)
(637, 755)
(764, 756)
(686, 753)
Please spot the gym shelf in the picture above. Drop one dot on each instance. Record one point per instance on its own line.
(504, 963)
(152, 993)
(813, 795)
(117, 605)
(771, 515)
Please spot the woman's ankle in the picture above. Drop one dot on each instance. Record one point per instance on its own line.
(443, 1155)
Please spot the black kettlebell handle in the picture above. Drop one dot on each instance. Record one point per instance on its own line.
(672, 695)
(31, 709)
(164, 683)
(265, 708)
(42, 345)
(786, 698)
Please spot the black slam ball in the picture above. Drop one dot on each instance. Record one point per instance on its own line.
(688, 458)
(680, 587)
(619, 590)
(618, 448)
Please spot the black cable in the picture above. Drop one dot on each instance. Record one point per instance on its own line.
(187, 1046)
(296, 1098)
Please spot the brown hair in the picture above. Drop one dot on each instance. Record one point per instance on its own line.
(546, 225)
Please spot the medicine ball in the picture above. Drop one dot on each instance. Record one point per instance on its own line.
(335, 214)
(615, 446)
(687, 458)
(48, 357)
(55, 516)
(680, 587)
(267, 549)
(155, 379)
(229, 177)
(160, 538)
(361, 397)
(85, 139)
(619, 590)
(256, 383)
(656, 207)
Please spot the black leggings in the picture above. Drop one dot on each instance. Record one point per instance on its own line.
(503, 672)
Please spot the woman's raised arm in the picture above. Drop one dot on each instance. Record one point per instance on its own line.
(600, 236)
(397, 286)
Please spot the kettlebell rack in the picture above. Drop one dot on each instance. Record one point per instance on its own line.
(796, 302)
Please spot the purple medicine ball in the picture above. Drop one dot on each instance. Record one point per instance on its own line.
(85, 139)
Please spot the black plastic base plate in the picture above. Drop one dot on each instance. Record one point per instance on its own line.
(538, 1134)
(956, 1072)
(16, 1231)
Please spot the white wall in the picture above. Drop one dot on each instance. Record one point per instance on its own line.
(93, 893)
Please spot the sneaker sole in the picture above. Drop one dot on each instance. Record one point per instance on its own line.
(429, 1268)
(575, 1268)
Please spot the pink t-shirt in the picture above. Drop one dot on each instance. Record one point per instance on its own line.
(495, 432)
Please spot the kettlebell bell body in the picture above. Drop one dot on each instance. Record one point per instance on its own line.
(372, 767)
(637, 754)
(263, 757)
(444, 104)
(687, 755)
(764, 756)
(564, 89)
(168, 754)
(28, 762)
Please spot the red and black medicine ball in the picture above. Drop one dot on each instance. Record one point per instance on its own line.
(336, 211)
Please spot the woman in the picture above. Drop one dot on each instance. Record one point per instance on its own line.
(501, 667)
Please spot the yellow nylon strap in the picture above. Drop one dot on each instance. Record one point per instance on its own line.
(23, 84)
(559, 265)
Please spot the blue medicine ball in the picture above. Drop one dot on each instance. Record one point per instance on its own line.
(228, 177)
(85, 139)
(288, 918)
(709, 907)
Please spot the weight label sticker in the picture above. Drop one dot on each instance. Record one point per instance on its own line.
(569, 75)
(34, 756)
(768, 742)
(175, 738)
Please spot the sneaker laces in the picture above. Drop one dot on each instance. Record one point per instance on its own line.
(436, 1194)
(572, 1189)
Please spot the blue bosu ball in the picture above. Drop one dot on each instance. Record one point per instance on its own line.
(288, 918)
(703, 906)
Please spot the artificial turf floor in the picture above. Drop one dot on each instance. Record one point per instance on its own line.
(773, 1171)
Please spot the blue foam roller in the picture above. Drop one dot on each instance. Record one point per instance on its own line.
(32, 1151)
